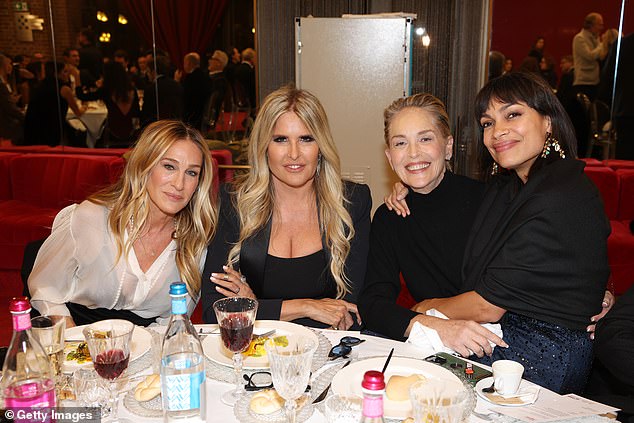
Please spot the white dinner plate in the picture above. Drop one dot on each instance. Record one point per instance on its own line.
(348, 380)
(526, 395)
(216, 352)
(141, 343)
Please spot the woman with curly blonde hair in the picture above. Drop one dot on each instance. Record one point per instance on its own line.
(115, 254)
(294, 235)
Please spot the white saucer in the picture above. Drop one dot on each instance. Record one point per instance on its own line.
(526, 395)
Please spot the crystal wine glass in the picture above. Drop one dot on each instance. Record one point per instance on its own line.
(236, 316)
(290, 370)
(109, 345)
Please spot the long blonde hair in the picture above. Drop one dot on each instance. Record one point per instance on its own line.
(254, 192)
(128, 199)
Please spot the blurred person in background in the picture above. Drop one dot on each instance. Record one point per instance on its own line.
(45, 121)
(11, 116)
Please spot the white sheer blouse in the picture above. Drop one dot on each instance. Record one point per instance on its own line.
(75, 264)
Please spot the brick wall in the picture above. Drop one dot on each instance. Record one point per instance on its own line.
(66, 25)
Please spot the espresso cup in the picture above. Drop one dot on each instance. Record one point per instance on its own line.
(507, 376)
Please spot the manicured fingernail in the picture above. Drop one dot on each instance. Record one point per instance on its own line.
(605, 304)
(225, 267)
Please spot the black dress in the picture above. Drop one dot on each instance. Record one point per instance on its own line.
(539, 251)
(427, 247)
(45, 120)
(274, 279)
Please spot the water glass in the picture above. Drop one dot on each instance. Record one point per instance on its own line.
(444, 401)
(91, 390)
(49, 331)
(343, 408)
(290, 369)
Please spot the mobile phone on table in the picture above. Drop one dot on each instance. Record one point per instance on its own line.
(465, 370)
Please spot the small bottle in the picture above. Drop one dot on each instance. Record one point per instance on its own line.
(373, 387)
(182, 364)
(27, 375)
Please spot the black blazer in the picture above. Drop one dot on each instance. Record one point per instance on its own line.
(196, 91)
(254, 251)
(170, 100)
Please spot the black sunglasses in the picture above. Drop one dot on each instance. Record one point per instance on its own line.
(260, 380)
(344, 347)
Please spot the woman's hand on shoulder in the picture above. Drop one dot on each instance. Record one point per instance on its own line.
(395, 201)
(336, 313)
(232, 284)
(466, 337)
(606, 304)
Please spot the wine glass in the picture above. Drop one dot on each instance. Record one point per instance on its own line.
(236, 316)
(109, 345)
(290, 369)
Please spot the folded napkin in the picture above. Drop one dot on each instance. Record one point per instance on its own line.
(425, 337)
(524, 396)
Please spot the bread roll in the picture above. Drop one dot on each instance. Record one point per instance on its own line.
(266, 402)
(398, 386)
(148, 388)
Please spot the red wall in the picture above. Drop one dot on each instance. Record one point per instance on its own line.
(516, 25)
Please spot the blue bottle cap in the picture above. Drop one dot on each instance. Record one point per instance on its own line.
(178, 288)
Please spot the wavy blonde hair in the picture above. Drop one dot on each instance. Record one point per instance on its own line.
(254, 196)
(129, 199)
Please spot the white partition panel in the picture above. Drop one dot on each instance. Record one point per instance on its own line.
(356, 67)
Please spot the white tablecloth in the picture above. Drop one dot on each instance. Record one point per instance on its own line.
(92, 121)
(372, 347)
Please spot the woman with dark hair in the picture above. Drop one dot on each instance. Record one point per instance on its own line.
(536, 259)
(121, 100)
(45, 120)
(537, 50)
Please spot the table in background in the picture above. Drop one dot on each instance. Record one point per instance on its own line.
(92, 121)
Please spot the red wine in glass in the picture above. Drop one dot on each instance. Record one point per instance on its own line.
(110, 364)
(236, 331)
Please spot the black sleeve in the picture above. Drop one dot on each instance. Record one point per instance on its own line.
(356, 262)
(226, 235)
(614, 339)
(377, 304)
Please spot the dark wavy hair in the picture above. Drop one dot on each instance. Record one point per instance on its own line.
(116, 82)
(521, 87)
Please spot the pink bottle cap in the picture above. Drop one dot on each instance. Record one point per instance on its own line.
(19, 304)
(373, 380)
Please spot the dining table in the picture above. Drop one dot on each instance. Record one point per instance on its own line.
(371, 347)
(92, 121)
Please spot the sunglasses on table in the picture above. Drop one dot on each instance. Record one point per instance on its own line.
(260, 380)
(344, 347)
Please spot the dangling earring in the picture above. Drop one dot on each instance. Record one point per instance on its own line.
(552, 143)
(495, 169)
